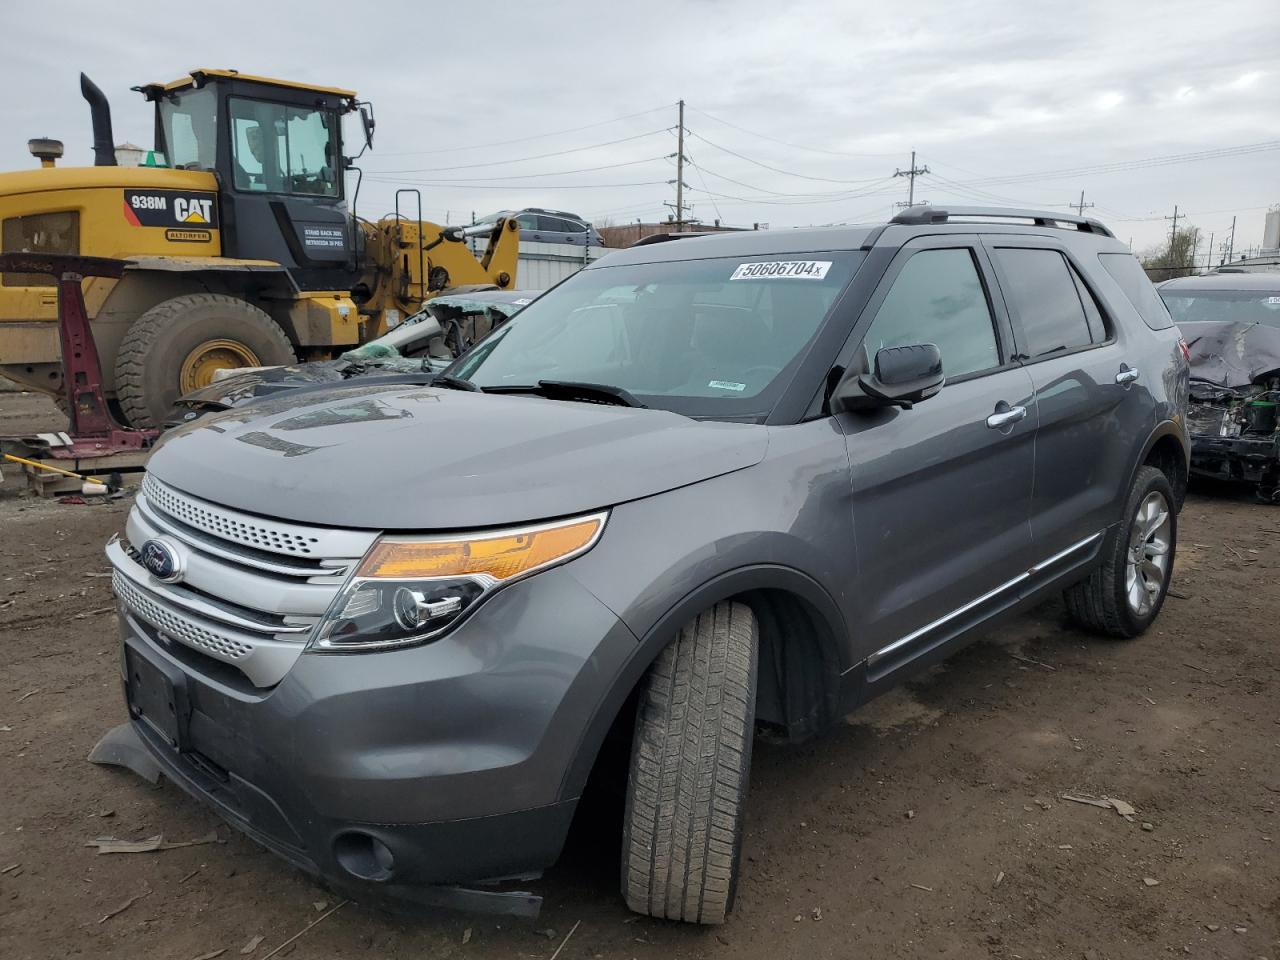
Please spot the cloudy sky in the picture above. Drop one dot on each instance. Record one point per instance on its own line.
(797, 114)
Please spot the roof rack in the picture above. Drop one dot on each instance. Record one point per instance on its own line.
(664, 237)
(925, 214)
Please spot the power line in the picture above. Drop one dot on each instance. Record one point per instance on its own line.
(785, 143)
(1121, 166)
(944, 185)
(558, 173)
(877, 190)
(714, 206)
(767, 166)
(516, 186)
(536, 136)
(539, 156)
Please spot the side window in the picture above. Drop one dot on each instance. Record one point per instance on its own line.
(1092, 312)
(1128, 273)
(1043, 294)
(552, 224)
(938, 298)
(527, 221)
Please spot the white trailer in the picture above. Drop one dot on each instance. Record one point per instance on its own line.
(543, 265)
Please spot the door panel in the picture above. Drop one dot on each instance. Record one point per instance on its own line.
(1090, 427)
(1089, 424)
(941, 497)
(941, 504)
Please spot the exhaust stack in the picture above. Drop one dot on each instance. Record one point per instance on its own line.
(104, 151)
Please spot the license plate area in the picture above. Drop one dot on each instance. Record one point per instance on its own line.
(157, 695)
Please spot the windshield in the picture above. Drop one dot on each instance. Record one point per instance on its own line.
(1234, 306)
(189, 121)
(709, 338)
(278, 148)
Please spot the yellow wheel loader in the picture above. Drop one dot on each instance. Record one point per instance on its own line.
(240, 244)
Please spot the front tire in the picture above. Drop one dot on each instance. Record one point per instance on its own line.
(175, 346)
(690, 764)
(1122, 597)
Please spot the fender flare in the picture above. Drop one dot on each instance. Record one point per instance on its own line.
(1165, 428)
(724, 585)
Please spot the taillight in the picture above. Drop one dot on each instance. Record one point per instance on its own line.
(1186, 351)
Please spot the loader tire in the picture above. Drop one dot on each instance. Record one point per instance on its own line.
(175, 346)
(690, 763)
(1103, 602)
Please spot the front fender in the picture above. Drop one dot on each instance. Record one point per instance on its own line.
(726, 585)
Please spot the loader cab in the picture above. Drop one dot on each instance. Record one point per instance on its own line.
(276, 149)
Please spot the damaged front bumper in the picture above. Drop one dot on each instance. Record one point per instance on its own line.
(1240, 459)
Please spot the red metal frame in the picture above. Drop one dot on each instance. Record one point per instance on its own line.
(93, 431)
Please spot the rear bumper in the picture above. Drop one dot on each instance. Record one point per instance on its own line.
(387, 773)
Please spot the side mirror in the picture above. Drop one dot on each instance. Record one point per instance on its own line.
(903, 376)
(366, 119)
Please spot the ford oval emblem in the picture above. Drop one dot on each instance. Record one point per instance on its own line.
(162, 560)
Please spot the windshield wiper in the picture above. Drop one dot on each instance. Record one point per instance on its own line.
(573, 390)
(453, 383)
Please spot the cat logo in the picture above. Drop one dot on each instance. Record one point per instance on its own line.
(170, 208)
(192, 210)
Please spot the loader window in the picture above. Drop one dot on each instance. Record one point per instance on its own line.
(278, 148)
(39, 233)
(190, 124)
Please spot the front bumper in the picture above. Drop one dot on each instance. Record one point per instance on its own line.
(453, 756)
(1236, 458)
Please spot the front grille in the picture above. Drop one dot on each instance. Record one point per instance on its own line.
(251, 590)
(229, 525)
(205, 638)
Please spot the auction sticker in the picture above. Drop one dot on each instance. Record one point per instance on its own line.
(782, 270)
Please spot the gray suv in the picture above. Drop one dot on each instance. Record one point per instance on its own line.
(549, 226)
(707, 485)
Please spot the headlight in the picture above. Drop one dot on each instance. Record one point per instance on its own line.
(409, 590)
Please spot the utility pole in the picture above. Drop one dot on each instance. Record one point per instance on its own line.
(1173, 234)
(911, 178)
(679, 181)
(680, 171)
(1208, 262)
(1232, 248)
(1080, 207)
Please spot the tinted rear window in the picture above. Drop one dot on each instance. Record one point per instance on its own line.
(1126, 271)
(1042, 292)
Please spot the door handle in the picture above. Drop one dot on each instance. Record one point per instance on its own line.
(1127, 374)
(1006, 417)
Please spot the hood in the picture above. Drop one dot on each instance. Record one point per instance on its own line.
(421, 458)
(1231, 354)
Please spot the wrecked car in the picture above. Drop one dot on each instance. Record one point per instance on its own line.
(1231, 323)
(425, 342)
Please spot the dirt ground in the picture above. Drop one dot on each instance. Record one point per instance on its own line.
(931, 824)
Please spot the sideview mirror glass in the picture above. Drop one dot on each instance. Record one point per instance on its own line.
(366, 118)
(902, 376)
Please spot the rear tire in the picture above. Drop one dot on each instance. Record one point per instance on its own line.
(1105, 602)
(170, 337)
(690, 765)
